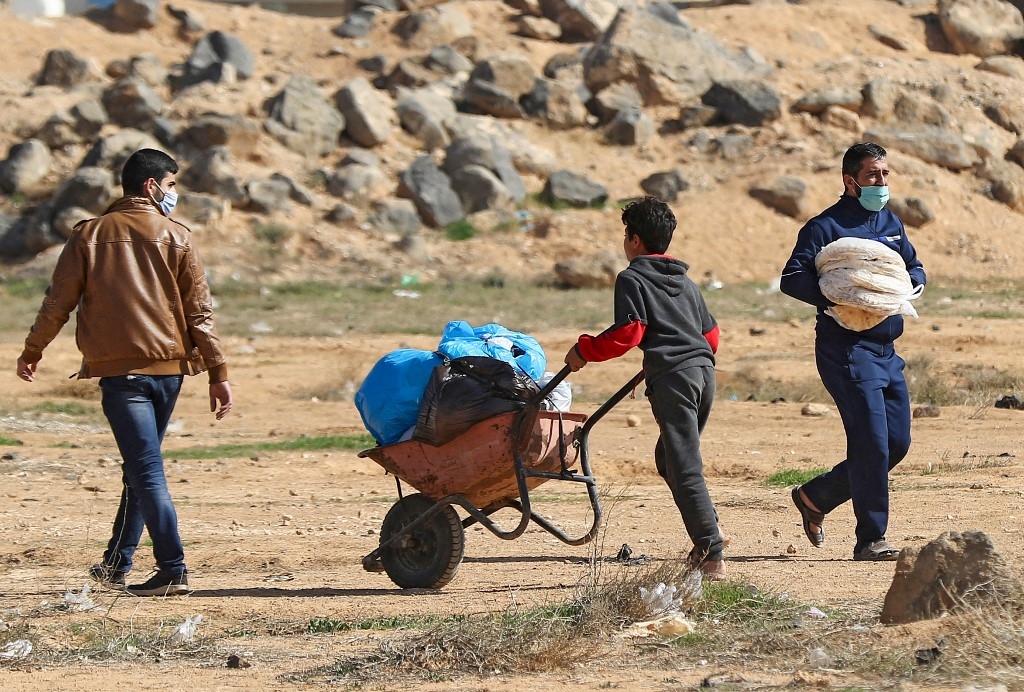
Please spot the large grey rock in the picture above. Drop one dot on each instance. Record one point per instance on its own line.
(580, 20)
(915, 108)
(929, 144)
(539, 28)
(297, 192)
(65, 220)
(560, 105)
(879, 97)
(266, 196)
(218, 56)
(613, 100)
(489, 99)
(88, 188)
(669, 63)
(207, 130)
(130, 102)
(913, 211)
(357, 24)
(1006, 65)
(981, 27)
(395, 216)
(213, 172)
(952, 572)
(665, 185)
(593, 271)
(426, 114)
(27, 163)
(485, 151)
(744, 101)
(434, 26)
(1007, 114)
(63, 68)
(358, 183)
(112, 151)
(431, 191)
(630, 127)
(1007, 182)
(478, 189)
(369, 114)
(817, 102)
(574, 190)
(509, 72)
(302, 119)
(447, 60)
(786, 195)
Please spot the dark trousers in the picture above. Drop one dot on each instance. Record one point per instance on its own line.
(139, 408)
(681, 402)
(866, 381)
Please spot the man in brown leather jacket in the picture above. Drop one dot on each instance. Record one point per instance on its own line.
(145, 320)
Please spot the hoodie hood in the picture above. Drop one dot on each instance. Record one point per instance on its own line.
(667, 272)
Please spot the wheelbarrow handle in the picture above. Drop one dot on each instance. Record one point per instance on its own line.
(550, 386)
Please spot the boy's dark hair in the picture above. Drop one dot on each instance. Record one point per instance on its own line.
(652, 220)
(856, 155)
(143, 165)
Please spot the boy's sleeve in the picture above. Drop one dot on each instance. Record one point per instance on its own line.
(628, 330)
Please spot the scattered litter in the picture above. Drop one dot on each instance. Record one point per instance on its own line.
(815, 613)
(660, 599)
(671, 625)
(80, 602)
(236, 661)
(818, 658)
(1010, 402)
(186, 631)
(626, 556)
(405, 294)
(260, 328)
(279, 577)
(525, 220)
(16, 649)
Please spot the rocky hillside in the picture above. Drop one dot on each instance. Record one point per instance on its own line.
(474, 137)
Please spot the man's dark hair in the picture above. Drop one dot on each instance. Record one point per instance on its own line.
(856, 155)
(652, 220)
(143, 165)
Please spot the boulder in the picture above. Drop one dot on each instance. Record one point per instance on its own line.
(431, 191)
(27, 163)
(564, 187)
(63, 68)
(675, 69)
(217, 57)
(131, 102)
(929, 144)
(954, 571)
(213, 172)
(112, 151)
(301, 118)
(479, 189)
(133, 15)
(744, 102)
(913, 211)
(433, 26)
(559, 104)
(580, 20)
(981, 27)
(630, 127)
(786, 195)
(395, 216)
(593, 271)
(369, 114)
(665, 185)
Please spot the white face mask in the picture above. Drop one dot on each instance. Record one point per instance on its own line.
(169, 201)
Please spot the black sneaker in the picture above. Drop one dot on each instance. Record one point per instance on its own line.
(107, 575)
(162, 584)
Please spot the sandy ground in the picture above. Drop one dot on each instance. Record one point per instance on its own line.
(275, 540)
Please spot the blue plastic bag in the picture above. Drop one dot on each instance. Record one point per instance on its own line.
(390, 396)
(519, 350)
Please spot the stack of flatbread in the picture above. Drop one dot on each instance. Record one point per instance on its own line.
(866, 280)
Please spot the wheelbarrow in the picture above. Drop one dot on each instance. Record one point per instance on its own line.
(491, 466)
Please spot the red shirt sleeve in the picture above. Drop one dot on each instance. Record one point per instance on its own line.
(712, 338)
(611, 343)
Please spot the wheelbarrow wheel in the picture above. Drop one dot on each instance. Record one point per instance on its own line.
(428, 556)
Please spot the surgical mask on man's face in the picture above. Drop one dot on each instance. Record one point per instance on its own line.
(873, 197)
(169, 201)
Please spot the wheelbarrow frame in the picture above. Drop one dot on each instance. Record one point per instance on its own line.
(522, 424)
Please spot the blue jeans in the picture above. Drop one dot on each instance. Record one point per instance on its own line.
(138, 408)
(867, 383)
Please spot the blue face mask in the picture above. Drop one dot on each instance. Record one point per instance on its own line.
(169, 201)
(873, 197)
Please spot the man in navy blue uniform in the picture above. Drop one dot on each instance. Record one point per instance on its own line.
(861, 370)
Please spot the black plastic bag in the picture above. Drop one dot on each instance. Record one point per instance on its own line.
(467, 390)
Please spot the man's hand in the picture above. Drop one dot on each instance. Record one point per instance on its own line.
(573, 358)
(220, 393)
(26, 371)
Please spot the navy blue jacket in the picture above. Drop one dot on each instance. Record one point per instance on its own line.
(847, 219)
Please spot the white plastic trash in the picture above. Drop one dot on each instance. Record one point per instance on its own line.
(186, 631)
(660, 599)
(560, 398)
(16, 649)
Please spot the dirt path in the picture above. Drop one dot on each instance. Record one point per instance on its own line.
(276, 540)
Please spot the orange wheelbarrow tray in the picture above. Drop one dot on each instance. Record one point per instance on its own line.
(491, 466)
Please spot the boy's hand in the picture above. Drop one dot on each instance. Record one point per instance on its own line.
(573, 358)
